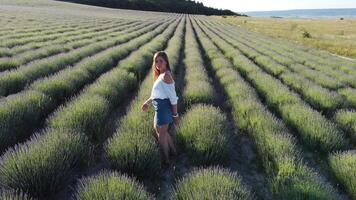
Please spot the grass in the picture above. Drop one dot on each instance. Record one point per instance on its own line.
(7, 52)
(68, 44)
(53, 34)
(82, 28)
(270, 66)
(312, 93)
(315, 131)
(320, 98)
(326, 34)
(347, 120)
(197, 84)
(110, 185)
(25, 118)
(86, 114)
(285, 98)
(289, 176)
(20, 115)
(16, 80)
(89, 112)
(114, 86)
(62, 84)
(272, 90)
(43, 36)
(302, 183)
(13, 195)
(134, 152)
(343, 165)
(211, 183)
(203, 135)
(317, 77)
(344, 78)
(138, 62)
(349, 95)
(298, 53)
(16, 42)
(132, 149)
(46, 163)
(286, 53)
(326, 138)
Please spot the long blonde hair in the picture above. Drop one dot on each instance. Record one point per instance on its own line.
(156, 71)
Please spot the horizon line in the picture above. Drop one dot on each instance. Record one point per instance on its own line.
(292, 9)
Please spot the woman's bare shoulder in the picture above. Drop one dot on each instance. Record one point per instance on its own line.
(167, 77)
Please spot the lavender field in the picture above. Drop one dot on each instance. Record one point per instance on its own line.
(261, 118)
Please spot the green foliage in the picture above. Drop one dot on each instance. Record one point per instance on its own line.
(318, 77)
(319, 97)
(8, 64)
(203, 135)
(347, 120)
(110, 185)
(302, 184)
(20, 114)
(270, 66)
(63, 84)
(132, 149)
(197, 84)
(84, 36)
(87, 114)
(68, 41)
(91, 66)
(306, 34)
(114, 86)
(211, 183)
(16, 80)
(343, 165)
(350, 96)
(13, 195)
(289, 176)
(315, 131)
(23, 112)
(46, 163)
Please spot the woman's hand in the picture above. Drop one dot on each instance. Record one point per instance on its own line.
(144, 107)
(176, 120)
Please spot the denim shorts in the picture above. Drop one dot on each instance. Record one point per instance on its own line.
(163, 111)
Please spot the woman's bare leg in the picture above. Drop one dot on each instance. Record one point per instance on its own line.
(163, 141)
(155, 134)
(172, 148)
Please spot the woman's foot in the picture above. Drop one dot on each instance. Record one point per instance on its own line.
(173, 153)
(166, 164)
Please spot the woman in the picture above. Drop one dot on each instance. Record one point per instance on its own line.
(164, 99)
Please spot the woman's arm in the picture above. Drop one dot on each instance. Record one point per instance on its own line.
(171, 92)
(175, 114)
(174, 109)
(148, 101)
(144, 106)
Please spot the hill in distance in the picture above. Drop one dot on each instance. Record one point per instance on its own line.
(177, 6)
(308, 13)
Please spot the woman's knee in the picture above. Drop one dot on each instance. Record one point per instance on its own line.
(161, 130)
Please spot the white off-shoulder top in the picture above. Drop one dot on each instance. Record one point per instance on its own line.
(163, 90)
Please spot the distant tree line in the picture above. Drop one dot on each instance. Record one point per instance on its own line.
(177, 6)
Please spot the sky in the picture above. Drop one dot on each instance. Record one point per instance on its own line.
(266, 5)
